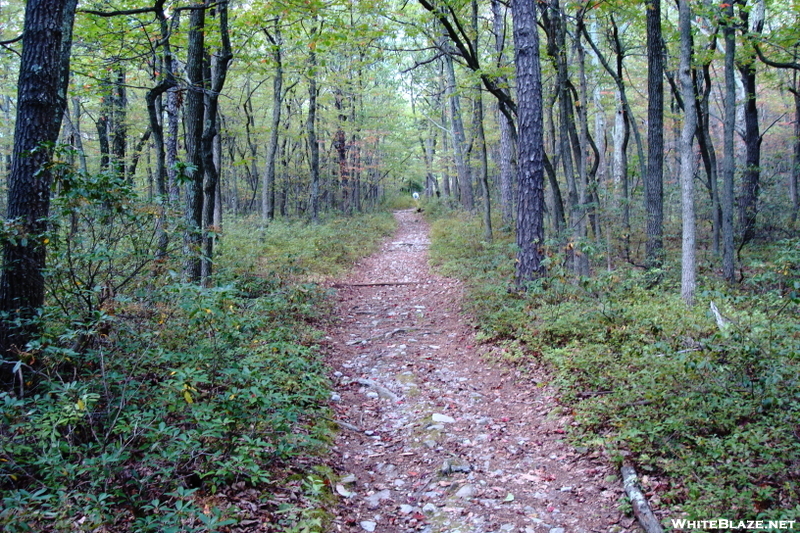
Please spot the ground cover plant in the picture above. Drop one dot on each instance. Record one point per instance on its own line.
(707, 411)
(151, 404)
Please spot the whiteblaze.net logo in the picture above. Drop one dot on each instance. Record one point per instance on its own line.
(683, 524)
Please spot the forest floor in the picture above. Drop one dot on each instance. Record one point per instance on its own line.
(438, 433)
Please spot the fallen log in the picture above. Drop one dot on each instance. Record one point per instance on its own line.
(641, 509)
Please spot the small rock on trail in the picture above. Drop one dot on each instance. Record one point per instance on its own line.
(436, 436)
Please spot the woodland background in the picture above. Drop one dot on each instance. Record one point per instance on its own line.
(599, 172)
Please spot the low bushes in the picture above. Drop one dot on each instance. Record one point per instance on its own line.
(150, 404)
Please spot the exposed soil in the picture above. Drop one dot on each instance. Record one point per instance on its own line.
(440, 435)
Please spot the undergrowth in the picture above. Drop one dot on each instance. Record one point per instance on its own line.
(150, 404)
(711, 411)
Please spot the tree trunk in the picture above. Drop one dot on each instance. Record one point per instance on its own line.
(653, 180)
(119, 128)
(708, 152)
(193, 119)
(506, 134)
(268, 191)
(217, 71)
(459, 138)
(530, 207)
(311, 128)
(728, 158)
(480, 138)
(688, 262)
(794, 177)
(753, 20)
(41, 100)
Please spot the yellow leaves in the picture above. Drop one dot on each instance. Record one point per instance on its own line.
(187, 393)
(80, 405)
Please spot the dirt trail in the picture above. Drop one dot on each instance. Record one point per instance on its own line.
(437, 437)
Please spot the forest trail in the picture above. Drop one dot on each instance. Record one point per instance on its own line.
(436, 437)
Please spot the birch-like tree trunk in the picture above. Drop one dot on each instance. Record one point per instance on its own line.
(480, 139)
(688, 261)
(268, 185)
(459, 138)
(505, 125)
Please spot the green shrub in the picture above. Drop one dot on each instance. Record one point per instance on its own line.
(145, 396)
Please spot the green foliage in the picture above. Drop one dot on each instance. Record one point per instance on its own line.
(147, 397)
(293, 250)
(712, 411)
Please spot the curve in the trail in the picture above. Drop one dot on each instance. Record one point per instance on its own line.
(436, 435)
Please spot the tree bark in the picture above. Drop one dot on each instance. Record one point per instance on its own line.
(193, 119)
(728, 159)
(268, 191)
(40, 108)
(480, 138)
(530, 207)
(653, 181)
(217, 73)
(794, 177)
(505, 125)
(311, 129)
(753, 20)
(459, 138)
(688, 262)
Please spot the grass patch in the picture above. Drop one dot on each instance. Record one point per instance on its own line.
(711, 413)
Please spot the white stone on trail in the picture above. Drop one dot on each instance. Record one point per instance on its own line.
(429, 508)
(466, 492)
(368, 525)
(442, 418)
(343, 492)
(374, 500)
(406, 509)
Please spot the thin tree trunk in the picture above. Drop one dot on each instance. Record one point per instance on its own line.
(268, 191)
(459, 138)
(194, 116)
(794, 176)
(506, 135)
(654, 179)
(688, 261)
(709, 153)
(728, 160)
(480, 138)
(311, 128)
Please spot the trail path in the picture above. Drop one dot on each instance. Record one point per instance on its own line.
(437, 437)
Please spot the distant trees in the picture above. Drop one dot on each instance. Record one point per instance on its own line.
(313, 116)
